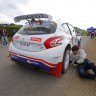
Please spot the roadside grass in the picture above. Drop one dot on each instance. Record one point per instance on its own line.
(84, 33)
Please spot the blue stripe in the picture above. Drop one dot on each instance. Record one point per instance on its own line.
(33, 62)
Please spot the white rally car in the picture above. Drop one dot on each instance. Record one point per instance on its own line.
(43, 43)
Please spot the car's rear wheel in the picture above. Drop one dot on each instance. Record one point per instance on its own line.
(66, 60)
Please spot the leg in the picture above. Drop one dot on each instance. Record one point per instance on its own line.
(78, 43)
(92, 36)
(3, 41)
(6, 40)
(83, 72)
(91, 65)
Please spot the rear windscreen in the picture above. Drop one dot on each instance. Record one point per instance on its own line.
(46, 27)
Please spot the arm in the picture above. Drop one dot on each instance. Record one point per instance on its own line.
(72, 59)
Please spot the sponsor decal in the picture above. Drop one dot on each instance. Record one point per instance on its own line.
(29, 61)
(16, 37)
(35, 39)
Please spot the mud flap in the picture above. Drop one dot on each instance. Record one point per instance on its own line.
(57, 71)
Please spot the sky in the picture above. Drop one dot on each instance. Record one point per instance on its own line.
(79, 13)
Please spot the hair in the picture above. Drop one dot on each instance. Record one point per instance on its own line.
(75, 48)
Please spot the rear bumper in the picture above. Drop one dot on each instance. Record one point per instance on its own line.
(45, 60)
(39, 63)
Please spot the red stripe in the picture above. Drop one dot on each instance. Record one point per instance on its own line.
(12, 53)
(50, 64)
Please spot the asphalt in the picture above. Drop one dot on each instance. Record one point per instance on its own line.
(18, 80)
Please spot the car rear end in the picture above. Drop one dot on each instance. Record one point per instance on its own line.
(38, 45)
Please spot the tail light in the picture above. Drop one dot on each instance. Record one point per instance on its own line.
(15, 38)
(53, 42)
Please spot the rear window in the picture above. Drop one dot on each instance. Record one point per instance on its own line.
(47, 27)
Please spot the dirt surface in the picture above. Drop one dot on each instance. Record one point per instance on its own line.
(79, 86)
(16, 80)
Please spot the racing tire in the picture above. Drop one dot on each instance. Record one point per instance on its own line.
(66, 60)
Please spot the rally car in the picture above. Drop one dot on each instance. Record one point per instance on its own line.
(43, 43)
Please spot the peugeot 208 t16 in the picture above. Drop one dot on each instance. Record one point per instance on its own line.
(43, 43)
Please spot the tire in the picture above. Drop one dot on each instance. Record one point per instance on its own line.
(66, 60)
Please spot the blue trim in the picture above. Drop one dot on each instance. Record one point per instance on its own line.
(33, 62)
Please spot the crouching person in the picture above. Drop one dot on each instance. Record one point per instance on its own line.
(78, 58)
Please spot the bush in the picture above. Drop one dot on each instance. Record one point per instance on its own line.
(84, 33)
(10, 28)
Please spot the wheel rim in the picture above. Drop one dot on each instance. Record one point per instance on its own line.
(66, 63)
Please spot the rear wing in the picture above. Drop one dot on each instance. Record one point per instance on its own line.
(32, 16)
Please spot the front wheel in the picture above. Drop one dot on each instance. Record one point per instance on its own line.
(66, 59)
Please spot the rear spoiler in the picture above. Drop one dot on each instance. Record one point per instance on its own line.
(32, 16)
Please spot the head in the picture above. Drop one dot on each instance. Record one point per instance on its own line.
(75, 49)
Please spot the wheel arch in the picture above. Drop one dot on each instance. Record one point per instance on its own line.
(68, 47)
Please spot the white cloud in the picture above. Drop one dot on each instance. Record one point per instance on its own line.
(80, 13)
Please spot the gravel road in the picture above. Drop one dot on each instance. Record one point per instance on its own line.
(17, 80)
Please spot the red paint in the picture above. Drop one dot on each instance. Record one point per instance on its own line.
(10, 52)
(53, 42)
(35, 39)
(57, 71)
(15, 37)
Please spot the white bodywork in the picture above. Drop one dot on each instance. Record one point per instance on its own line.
(31, 47)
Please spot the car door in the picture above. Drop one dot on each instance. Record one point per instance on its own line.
(73, 33)
(68, 32)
